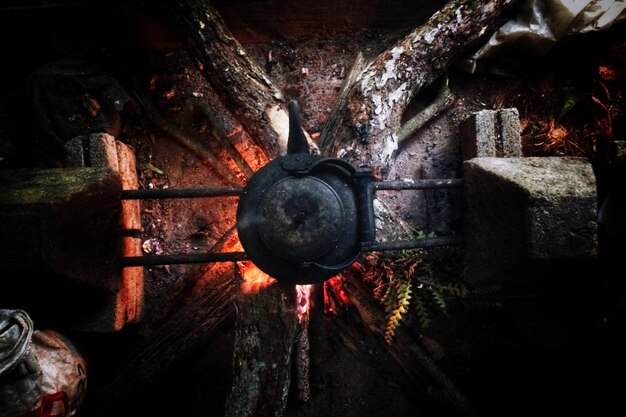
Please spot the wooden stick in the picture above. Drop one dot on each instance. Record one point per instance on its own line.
(443, 100)
(332, 126)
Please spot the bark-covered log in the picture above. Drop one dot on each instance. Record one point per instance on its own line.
(264, 337)
(366, 132)
(243, 85)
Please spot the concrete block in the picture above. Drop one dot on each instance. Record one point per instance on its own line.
(522, 211)
(132, 283)
(97, 150)
(110, 313)
(70, 223)
(63, 222)
(102, 150)
(131, 209)
(491, 133)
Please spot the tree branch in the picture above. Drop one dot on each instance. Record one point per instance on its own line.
(443, 100)
(367, 131)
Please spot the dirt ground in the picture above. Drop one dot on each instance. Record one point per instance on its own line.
(490, 349)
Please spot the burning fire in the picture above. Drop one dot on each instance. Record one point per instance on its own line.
(253, 278)
(303, 300)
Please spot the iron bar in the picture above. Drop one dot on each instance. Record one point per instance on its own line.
(159, 193)
(199, 258)
(431, 242)
(417, 184)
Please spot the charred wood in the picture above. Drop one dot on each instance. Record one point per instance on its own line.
(249, 95)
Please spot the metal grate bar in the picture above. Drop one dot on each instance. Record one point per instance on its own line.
(199, 258)
(160, 193)
(417, 185)
(414, 243)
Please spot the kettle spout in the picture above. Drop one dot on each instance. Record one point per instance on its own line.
(296, 142)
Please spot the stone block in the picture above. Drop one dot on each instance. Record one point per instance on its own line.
(62, 222)
(102, 150)
(97, 150)
(131, 209)
(523, 211)
(491, 133)
(132, 282)
(110, 313)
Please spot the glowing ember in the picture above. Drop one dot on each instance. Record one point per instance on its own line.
(169, 94)
(253, 278)
(303, 300)
(334, 295)
(251, 153)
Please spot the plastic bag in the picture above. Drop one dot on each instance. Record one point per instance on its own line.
(540, 24)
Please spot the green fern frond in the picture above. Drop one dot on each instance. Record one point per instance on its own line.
(423, 313)
(404, 283)
(404, 294)
(397, 315)
(487, 295)
(456, 290)
(388, 299)
(438, 298)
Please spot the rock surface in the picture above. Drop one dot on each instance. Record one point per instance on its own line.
(524, 210)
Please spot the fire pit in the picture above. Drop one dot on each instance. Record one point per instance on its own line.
(302, 218)
(211, 123)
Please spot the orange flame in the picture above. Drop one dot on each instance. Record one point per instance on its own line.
(253, 278)
(303, 300)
